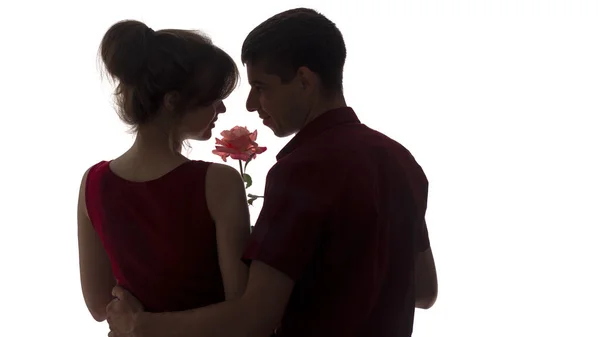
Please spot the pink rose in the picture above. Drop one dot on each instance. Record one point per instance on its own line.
(238, 143)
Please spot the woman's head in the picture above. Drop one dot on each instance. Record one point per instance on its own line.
(172, 79)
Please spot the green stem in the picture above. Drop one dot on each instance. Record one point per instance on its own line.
(241, 168)
(247, 162)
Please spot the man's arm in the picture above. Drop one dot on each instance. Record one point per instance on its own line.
(285, 240)
(256, 314)
(426, 285)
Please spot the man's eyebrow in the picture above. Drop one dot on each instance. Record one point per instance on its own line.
(257, 82)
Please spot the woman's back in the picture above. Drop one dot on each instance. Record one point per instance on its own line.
(159, 235)
(175, 239)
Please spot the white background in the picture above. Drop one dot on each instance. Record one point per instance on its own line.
(498, 101)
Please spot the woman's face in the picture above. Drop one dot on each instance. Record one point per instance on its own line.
(197, 123)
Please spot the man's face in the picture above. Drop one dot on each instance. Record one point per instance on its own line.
(282, 107)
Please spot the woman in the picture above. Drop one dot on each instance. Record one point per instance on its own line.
(168, 229)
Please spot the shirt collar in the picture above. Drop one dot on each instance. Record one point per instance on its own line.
(331, 118)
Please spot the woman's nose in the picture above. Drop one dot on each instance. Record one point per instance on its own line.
(220, 108)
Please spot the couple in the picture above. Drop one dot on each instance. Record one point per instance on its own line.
(341, 246)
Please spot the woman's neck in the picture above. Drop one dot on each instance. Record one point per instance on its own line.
(156, 140)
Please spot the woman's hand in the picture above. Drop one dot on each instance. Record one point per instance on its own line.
(122, 314)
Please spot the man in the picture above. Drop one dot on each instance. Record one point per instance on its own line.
(341, 247)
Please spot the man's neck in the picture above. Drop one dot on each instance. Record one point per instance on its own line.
(325, 106)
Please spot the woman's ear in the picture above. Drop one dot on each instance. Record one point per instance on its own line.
(170, 101)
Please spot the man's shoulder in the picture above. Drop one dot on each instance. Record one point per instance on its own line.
(302, 163)
(309, 165)
(337, 147)
(360, 138)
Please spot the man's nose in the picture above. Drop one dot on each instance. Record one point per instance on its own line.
(252, 101)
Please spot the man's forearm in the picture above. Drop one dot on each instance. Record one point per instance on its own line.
(226, 319)
(426, 285)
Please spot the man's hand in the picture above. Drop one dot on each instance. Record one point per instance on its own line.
(122, 313)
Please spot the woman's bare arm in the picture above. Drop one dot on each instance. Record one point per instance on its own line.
(227, 202)
(97, 279)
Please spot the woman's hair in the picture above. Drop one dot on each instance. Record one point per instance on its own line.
(148, 65)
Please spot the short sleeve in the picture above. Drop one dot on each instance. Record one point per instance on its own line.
(421, 232)
(422, 237)
(289, 228)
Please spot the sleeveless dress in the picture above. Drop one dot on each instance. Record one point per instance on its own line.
(159, 236)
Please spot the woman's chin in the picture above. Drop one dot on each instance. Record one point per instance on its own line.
(201, 135)
(206, 135)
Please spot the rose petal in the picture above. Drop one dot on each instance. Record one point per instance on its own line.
(220, 142)
(241, 156)
(221, 154)
(236, 132)
(238, 143)
(259, 149)
(222, 149)
(253, 135)
(241, 144)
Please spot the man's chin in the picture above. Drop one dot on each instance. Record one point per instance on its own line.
(281, 134)
(276, 131)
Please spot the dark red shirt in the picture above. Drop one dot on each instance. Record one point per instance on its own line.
(343, 216)
(159, 236)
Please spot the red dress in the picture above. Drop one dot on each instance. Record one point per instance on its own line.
(159, 236)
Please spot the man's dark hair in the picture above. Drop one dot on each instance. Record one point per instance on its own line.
(295, 38)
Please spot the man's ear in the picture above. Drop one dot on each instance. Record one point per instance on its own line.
(170, 101)
(308, 79)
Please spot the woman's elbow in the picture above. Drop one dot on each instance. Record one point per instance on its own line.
(96, 302)
(98, 315)
(97, 310)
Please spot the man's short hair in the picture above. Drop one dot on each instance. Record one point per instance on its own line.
(295, 38)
